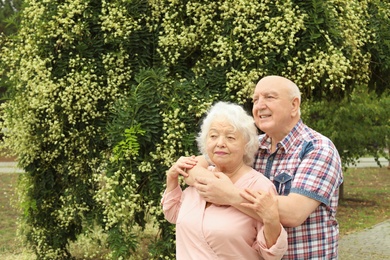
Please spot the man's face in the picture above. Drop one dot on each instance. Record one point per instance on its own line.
(272, 107)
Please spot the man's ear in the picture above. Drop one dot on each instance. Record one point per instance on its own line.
(295, 107)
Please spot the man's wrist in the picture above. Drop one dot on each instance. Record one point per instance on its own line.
(234, 197)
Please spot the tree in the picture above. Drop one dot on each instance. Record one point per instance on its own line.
(9, 16)
(379, 46)
(106, 95)
(358, 124)
(9, 21)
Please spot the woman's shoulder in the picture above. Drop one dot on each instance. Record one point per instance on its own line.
(255, 180)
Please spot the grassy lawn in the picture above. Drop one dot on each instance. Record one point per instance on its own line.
(366, 202)
(8, 215)
(366, 199)
(10, 247)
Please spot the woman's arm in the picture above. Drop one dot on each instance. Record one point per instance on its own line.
(179, 168)
(265, 204)
(198, 170)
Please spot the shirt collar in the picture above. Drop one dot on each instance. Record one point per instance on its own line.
(287, 141)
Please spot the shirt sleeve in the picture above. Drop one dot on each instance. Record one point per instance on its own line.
(319, 174)
(171, 203)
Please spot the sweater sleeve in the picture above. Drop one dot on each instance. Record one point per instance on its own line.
(171, 202)
(275, 252)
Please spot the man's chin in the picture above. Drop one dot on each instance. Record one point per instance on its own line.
(264, 127)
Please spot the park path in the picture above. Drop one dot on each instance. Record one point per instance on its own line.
(9, 167)
(370, 244)
(367, 162)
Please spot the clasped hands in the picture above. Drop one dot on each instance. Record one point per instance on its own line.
(217, 188)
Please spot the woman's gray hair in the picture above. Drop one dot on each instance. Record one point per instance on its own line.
(241, 122)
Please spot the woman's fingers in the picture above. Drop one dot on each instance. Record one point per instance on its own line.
(185, 163)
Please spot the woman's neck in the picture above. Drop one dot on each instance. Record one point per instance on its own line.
(235, 173)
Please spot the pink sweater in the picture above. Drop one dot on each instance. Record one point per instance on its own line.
(219, 232)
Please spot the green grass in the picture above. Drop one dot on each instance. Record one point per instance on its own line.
(8, 215)
(366, 203)
(10, 247)
(366, 199)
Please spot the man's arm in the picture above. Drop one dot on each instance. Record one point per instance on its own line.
(295, 208)
(217, 188)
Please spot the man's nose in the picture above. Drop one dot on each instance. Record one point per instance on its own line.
(260, 104)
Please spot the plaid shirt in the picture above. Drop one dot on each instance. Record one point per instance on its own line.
(307, 163)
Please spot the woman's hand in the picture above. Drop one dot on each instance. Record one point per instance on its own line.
(181, 166)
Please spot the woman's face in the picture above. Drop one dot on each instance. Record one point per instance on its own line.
(225, 146)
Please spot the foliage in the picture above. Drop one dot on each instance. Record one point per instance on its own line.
(379, 48)
(126, 192)
(358, 125)
(106, 95)
(9, 16)
(314, 43)
(9, 22)
(64, 77)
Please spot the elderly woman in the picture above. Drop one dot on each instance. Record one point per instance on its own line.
(228, 139)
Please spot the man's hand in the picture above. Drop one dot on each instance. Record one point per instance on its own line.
(217, 188)
(264, 203)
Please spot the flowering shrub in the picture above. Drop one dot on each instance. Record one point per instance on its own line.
(316, 44)
(106, 95)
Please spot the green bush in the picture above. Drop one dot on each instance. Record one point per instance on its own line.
(358, 124)
(106, 95)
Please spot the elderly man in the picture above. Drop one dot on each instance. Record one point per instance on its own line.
(304, 166)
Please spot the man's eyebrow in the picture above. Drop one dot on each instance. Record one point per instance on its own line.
(272, 93)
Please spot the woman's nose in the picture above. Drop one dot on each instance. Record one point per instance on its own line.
(221, 142)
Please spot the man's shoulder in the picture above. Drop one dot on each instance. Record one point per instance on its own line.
(308, 141)
(308, 134)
